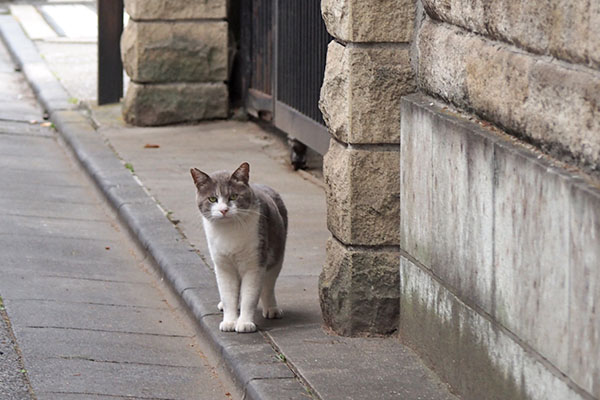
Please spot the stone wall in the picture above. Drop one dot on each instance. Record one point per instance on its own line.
(532, 68)
(500, 260)
(176, 54)
(367, 72)
(496, 201)
(500, 198)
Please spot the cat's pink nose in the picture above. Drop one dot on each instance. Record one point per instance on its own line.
(224, 211)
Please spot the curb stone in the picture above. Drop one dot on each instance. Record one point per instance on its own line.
(249, 358)
(50, 93)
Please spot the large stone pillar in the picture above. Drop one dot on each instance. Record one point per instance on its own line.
(176, 54)
(368, 70)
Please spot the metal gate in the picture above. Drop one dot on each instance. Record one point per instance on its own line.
(286, 49)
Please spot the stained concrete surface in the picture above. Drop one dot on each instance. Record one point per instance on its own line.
(334, 367)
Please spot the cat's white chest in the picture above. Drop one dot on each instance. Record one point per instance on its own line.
(236, 240)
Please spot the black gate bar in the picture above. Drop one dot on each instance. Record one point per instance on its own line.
(110, 66)
(288, 47)
(300, 42)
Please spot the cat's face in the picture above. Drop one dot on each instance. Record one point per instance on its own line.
(223, 197)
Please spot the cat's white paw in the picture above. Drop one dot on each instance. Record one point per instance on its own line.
(220, 306)
(227, 326)
(272, 313)
(245, 327)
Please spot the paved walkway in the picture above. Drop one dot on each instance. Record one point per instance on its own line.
(291, 358)
(90, 320)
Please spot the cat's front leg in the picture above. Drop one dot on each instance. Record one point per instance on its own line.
(228, 282)
(250, 291)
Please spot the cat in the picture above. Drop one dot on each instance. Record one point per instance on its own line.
(246, 229)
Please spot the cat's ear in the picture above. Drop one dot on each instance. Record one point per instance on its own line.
(242, 174)
(200, 178)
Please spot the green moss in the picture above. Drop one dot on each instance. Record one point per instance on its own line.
(129, 166)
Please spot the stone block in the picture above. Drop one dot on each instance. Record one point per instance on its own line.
(333, 102)
(584, 310)
(363, 189)
(560, 28)
(361, 92)
(358, 290)
(369, 21)
(563, 108)
(175, 9)
(553, 105)
(162, 104)
(592, 42)
(476, 356)
(175, 51)
(462, 13)
(491, 72)
(570, 29)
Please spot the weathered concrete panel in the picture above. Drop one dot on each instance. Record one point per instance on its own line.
(416, 172)
(553, 105)
(563, 28)
(368, 20)
(361, 92)
(584, 310)
(175, 51)
(462, 210)
(531, 251)
(479, 359)
(446, 199)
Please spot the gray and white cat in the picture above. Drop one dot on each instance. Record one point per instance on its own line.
(246, 229)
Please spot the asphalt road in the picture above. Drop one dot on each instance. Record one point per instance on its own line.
(90, 318)
(13, 379)
(17, 108)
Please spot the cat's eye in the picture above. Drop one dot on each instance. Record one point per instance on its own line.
(233, 197)
(212, 199)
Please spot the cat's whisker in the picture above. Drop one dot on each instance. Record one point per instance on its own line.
(250, 212)
(240, 221)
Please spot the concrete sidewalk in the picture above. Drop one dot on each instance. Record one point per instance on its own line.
(291, 358)
(81, 314)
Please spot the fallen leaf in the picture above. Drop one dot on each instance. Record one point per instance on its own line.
(107, 247)
(151, 146)
(46, 124)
